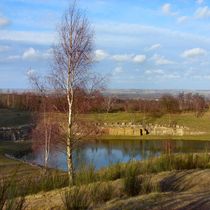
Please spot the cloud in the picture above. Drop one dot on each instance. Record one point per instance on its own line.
(44, 38)
(139, 58)
(4, 21)
(155, 71)
(13, 57)
(30, 53)
(122, 57)
(161, 74)
(195, 52)
(182, 19)
(161, 60)
(154, 47)
(202, 12)
(100, 55)
(199, 1)
(166, 9)
(118, 70)
(30, 72)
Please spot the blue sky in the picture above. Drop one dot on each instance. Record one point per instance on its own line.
(138, 44)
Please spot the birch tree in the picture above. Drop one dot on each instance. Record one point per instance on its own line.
(73, 57)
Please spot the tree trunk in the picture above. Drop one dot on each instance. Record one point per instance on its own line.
(70, 161)
(69, 145)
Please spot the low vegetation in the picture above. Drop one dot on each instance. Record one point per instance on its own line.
(157, 176)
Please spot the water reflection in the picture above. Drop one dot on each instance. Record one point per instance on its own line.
(104, 153)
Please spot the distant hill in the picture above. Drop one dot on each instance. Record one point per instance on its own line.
(132, 93)
(150, 93)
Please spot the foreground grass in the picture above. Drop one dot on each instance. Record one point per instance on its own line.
(135, 185)
(26, 178)
(95, 189)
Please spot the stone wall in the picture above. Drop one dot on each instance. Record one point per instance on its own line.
(130, 129)
(16, 133)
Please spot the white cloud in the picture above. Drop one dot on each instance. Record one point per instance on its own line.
(195, 52)
(14, 57)
(199, 1)
(122, 57)
(154, 47)
(161, 74)
(44, 38)
(166, 9)
(118, 70)
(30, 53)
(31, 72)
(155, 71)
(4, 21)
(4, 48)
(47, 54)
(182, 19)
(161, 60)
(100, 55)
(202, 12)
(139, 58)
(171, 76)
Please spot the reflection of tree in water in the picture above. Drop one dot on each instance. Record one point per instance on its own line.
(104, 153)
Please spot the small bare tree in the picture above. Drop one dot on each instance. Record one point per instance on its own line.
(72, 60)
(70, 76)
(109, 102)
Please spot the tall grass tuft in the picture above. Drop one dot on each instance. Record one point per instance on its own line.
(76, 199)
(101, 192)
(147, 186)
(132, 183)
(86, 175)
(8, 196)
(113, 172)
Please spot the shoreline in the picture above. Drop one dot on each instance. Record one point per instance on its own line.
(150, 137)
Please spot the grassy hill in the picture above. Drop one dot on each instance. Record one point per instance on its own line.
(11, 117)
(183, 119)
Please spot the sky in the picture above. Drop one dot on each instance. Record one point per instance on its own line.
(139, 44)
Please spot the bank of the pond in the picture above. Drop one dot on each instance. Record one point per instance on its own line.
(10, 163)
(152, 137)
(168, 182)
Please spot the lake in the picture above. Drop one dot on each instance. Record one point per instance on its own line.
(107, 152)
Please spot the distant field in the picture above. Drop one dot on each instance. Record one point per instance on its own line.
(15, 118)
(184, 119)
(10, 117)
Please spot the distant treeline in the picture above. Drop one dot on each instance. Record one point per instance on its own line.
(86, 102)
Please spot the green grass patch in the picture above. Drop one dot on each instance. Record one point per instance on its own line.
(184, 119)
(11, 117)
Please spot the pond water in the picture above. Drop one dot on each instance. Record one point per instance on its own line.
(104, 153)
